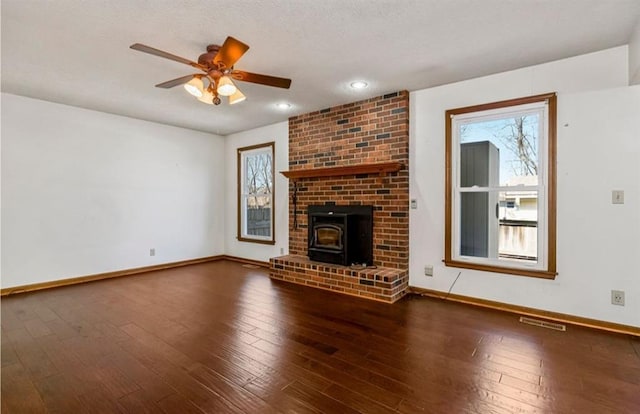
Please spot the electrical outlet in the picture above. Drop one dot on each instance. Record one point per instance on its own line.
(414, 203)
(428, 270)
(152, 252)
(282, 250)
(617, 297)
(617, 197)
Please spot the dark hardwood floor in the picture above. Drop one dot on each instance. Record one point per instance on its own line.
(223, 338)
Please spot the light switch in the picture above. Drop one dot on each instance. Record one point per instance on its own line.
(617, 197)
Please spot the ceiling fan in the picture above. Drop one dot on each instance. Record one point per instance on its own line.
(217, 65)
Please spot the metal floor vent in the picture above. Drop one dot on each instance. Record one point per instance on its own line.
(250, 266)
(543, 324)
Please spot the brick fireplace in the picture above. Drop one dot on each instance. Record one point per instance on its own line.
(353, 154)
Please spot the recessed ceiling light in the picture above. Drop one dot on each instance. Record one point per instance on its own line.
(359, 84)
(283, 105)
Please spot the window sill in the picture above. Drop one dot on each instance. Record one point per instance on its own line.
(248, 240)
(542, 274)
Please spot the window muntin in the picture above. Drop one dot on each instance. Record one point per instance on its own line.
(501, 187)
(255, 193)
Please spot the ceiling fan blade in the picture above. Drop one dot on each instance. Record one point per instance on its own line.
(157, 52)
(261, 79)
(175, 82)
(230, 52)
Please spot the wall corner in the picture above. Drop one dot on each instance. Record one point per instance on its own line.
(634, 55)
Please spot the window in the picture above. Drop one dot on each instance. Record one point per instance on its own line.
(255, 193)
(501, 187)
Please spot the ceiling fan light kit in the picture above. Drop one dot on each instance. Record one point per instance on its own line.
(226, 86)
(236, 97)
(217, 64)
(195, 87)
(207, 97)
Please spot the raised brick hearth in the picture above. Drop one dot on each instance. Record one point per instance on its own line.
(383, 284)
(372, 131)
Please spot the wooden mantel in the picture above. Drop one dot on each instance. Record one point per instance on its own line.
(376, 168)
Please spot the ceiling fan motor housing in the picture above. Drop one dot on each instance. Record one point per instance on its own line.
(206, 59)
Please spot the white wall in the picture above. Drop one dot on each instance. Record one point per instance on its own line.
(634, 55)
(598, 151)
(85, 192)
(278, 133)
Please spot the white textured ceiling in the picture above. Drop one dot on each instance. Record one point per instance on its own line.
(77, 52)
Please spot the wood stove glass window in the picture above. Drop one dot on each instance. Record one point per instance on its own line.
(255, 193)
(327, 236)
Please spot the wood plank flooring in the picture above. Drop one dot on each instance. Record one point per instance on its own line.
(222, 338)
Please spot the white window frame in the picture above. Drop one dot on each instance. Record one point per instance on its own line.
(544, 106)
(243, 192)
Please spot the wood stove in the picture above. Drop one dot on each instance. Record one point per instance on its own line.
(341, 234)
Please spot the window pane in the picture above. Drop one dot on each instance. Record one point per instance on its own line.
(500, 151)
(258, 216)
(502, 225)
(258, 173)
(518, 215)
